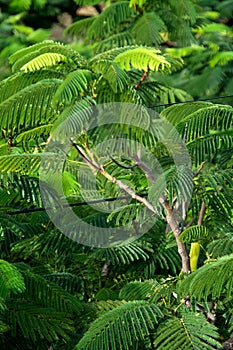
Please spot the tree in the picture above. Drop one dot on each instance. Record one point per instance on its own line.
(54, 107)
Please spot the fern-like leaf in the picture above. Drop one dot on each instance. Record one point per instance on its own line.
(193, 234)
(45, 60)
(11, 280)
(36, 323)
(34, 133)
(191, 332)
(75, 85)
(20, 80)
(121, 327)
(109, 20)
(116, 77)
(24, 109)
(116, 40)
(147, 28)
(125, 254)
(138, 290)
(144, 58)
(72, 120)
(221, 247)
(221, 58)
(211, 280)
(23, 57)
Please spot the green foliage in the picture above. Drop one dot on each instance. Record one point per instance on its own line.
(11, 280)
(75, 84)
(47, 53)
(120, 327)
(219, 280)
(147, 24)
(181, 333)
(34, 99)
(143, 59)
(193, 234)
(57, 293)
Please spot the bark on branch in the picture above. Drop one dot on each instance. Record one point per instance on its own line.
(170, 218)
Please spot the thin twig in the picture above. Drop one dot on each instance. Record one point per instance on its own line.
(85, 157)
(112, 179)
(122, 165)
(199, 170)
(170, 218)
(201, 214)
(144, 76)
(127, 189)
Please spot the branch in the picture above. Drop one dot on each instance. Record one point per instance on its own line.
(144, 76)
(199, 170)
(171, 219)
(83, 154)
(127, 189)
(121, 165)
(111, 178)
(201, 214)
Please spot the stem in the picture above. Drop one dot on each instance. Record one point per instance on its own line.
(111, 178)
(171, 220)
(144, 76)
(127, 189)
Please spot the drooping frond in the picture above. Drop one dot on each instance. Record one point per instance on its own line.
(138, 290)
(74, 85)
(72, 120)
(36, 323)
(34, 133)
(24, 164)
(185, 8)
(124, 254)
(25, 51)
(206, 130)
(29, 107)
(179, 183)
(12, 231)
(194, 234)
(44, 53)
(190, 332)
(221, 247)
(121, 327)
(45, 60)
(109, 20)
(11, 280)
(50, 244)
(210, 280)
(21, 80)
(167, 258)
(220, 185)
(144, 58)
(80, 28)
(19, 188)
(128, 215)
(177, 113)
(69, 282)
(221, 58)
(49, 294)
(116, 40)
(147, 29)
(116, 77)
(152, 93)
